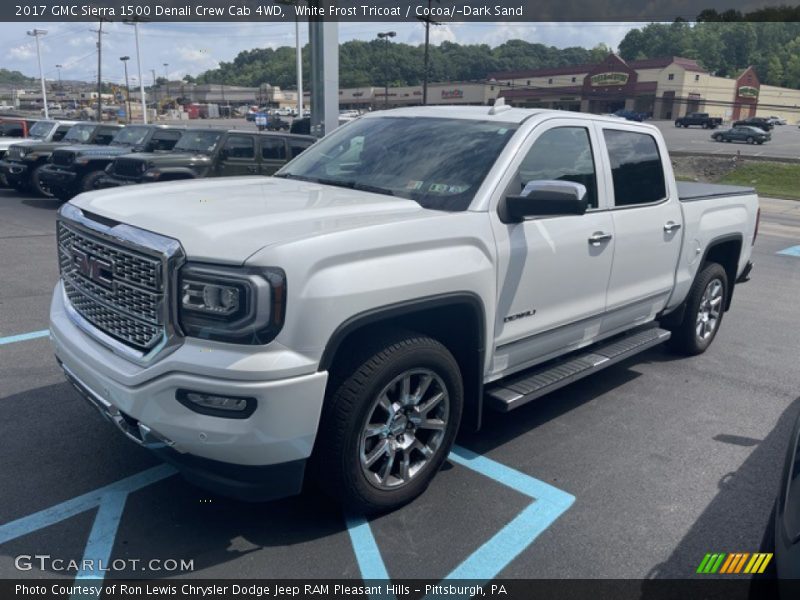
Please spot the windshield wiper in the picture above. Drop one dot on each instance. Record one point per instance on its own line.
(350, 185)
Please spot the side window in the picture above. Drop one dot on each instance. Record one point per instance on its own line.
(635, 167)
(297, 146)
(165, 140)
(104, 136)
(240, 146)
(60, 133)
(273, 148)
(564, 154)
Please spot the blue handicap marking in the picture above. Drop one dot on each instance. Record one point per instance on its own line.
(23, 337)
(110, 503)
(485, 563)
(793, 251)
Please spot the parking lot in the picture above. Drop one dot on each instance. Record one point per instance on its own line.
(635, 473)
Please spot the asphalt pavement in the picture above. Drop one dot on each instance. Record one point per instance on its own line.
(646, 466)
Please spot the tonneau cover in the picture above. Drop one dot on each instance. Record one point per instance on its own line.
(689, 191)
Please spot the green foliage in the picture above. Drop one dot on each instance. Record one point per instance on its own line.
(374, 62)
(725, 44)
(15, 77)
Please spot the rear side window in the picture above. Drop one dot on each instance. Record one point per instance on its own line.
(273, 148)
(104, 136)
(240, 146)
(635, 167)
(165, 140)
(298, 146)
(60, 133)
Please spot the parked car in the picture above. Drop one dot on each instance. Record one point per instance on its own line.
(345, 318)
(15, 128)
(630, 115)
(759, 122)
(776, 120)
(787, 515)
(209, 153)
(751, 135)
(24, 163)
(76, 169)
(699, 119)
(41, 131)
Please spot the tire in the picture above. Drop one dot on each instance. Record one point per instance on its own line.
(90, 180)
(705, 307)
(36, 183)
(677, 124)
(749, 140)
(363, 421)
(717, 138)
(760, 142)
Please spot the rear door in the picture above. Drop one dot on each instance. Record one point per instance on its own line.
(238, 156)
(647, 226)
(273, 153)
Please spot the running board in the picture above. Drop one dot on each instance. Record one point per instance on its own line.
(511, 393)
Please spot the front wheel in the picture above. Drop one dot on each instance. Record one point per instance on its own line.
(389, 423)
(36, 183)
(750, 140)
(705, 307)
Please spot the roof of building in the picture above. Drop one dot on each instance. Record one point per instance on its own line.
(647, 63)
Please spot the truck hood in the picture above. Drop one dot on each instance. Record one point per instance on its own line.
(227, 220)
(96, 150)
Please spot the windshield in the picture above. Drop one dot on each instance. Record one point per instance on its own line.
(41, 129)
(130, 136)
(198, 141)
(79, 133)
(439, 163)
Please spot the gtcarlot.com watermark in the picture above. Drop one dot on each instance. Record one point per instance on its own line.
(45, 562)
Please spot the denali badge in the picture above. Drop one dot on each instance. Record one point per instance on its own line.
(94, 269)
(518, 316)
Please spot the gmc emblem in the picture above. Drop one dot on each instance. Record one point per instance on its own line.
(94, 269)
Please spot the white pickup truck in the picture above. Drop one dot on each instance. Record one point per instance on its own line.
(343, 319)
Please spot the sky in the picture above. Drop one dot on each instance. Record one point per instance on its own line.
(191, 48)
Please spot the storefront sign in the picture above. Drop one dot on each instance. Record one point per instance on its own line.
(609, 79)
(748, 91)
(452, 94)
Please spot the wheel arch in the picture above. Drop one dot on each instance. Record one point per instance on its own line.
(726, 251)
(457, 320)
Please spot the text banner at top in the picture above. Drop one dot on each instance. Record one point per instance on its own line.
(393, 10)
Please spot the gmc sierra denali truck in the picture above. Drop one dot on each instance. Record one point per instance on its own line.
(342, 319)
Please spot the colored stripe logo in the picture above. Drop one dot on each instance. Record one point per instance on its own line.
(734, 563)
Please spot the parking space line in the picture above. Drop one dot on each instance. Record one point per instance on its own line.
(75, 506)
(793, 251)
(24, 337)
(485, 563)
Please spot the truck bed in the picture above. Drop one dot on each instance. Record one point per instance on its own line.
(689, 191)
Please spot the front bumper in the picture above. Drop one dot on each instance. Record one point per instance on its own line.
(12, 170)
(257, 458)
(55, 177)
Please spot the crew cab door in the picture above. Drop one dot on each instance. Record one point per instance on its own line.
(647, 223)
(273, 153)
(552, 271)
(237, 156)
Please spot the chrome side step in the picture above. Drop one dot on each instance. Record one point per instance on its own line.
(511, 393)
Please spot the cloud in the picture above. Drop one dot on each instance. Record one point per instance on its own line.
(196, 58)
(22, 52)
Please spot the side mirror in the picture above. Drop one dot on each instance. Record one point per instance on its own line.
(545, 199)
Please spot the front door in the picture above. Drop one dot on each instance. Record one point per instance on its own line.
(647, 228)
(553, 271)
(238, 156)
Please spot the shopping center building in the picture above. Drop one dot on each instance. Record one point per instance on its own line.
(664, 88)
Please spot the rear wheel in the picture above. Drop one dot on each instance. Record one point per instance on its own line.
(705, 307)
(750, 140)
(389, 423)
(90, 181)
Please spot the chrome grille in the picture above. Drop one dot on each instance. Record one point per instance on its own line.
(126, 301)
(63, 158)
(129, 167)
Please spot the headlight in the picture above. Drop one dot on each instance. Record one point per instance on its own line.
(237, 305)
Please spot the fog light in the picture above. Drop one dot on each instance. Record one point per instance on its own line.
(215, 405)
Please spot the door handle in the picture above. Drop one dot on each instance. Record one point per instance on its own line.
(600, 237)
(671, 226)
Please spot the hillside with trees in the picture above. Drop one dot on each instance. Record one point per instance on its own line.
(14, 77)
(724, 44)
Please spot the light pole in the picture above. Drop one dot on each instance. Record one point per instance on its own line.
(139, 68)
(299, 58)
(59, 67)
(386, 35)
(125, 60)
(166, 81)
(35, 34)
